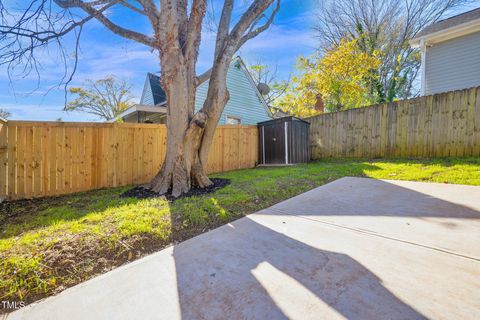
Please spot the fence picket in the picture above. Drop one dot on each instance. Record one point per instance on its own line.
(446, 124)
(52, 158)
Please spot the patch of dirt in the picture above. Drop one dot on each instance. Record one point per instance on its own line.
(12, 210)
(16, 209)
(144, 193)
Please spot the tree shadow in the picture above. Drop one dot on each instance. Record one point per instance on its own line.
(22, 216)
(248, 271)
(245, 270)
(354, 196)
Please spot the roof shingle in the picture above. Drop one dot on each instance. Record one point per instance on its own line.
(451, 22)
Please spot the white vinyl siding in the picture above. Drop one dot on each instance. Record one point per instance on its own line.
(453, 64)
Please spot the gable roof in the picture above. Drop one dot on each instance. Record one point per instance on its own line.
(159, 96)
(451, 22)
(243, 66)
(158, 93)
(445, 29)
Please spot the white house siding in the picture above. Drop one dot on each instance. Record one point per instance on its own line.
(453, 64)
(244, 102)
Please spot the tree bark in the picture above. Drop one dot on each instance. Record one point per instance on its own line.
(189, 138)
(182, 166)
(173, 175)
(189, 134)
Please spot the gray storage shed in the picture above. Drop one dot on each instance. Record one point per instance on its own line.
(284, 141)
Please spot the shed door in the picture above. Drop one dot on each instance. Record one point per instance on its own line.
(275, 143)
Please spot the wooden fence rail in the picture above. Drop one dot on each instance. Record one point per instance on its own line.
(440, 125)
(52, 158)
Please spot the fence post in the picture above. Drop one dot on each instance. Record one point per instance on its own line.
(3, 159)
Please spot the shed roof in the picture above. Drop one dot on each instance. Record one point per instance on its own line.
(282, 119)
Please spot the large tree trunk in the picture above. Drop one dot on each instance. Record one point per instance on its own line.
(189, 135)
(182, 127)
(174, 172)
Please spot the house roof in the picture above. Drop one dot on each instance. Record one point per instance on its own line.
(159, 96)
(446, 29)
(160, 99)
(158, 93)
(140, 108)
(451, 22)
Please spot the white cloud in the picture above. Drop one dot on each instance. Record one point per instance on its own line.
(103, 54)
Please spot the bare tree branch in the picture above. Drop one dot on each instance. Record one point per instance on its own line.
(126, 4)
(24, 33)
(251, 15)
(89, 7)
(385, 26)
(203, 77)
(194, 29)
(153, 15)
(253, 32)
(224, 26)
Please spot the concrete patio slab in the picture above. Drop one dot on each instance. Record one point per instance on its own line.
(355, 248)
(445, 217)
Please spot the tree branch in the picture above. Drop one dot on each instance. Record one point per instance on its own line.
(248, 18)
(152, 13)
(252, 33)
(203, 77)
(194, 29)
(132, 7)
(224, 26)
(88, 7)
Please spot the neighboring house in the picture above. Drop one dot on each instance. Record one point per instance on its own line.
(246, 104)
(450, 53)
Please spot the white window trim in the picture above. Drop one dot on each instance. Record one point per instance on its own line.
(423, 66)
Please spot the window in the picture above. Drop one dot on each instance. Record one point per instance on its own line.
(233, 120)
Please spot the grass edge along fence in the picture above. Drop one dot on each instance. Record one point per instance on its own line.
(440, 125)
(53, 158)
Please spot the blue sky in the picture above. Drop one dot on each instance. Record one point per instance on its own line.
(103, 53)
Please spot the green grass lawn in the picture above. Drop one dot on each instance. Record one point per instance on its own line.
(49, 244)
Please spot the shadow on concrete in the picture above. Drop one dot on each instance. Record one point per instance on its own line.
(369, 197)
(249, 271)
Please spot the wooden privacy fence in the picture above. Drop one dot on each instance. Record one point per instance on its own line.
(446, 124)
(52, 158)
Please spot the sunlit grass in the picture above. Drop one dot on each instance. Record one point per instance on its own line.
(55, 243)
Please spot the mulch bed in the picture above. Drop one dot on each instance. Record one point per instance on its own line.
(143, 193)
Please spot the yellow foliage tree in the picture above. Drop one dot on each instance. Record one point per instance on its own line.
(343, 77)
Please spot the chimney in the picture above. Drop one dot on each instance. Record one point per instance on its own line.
(319, 104)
